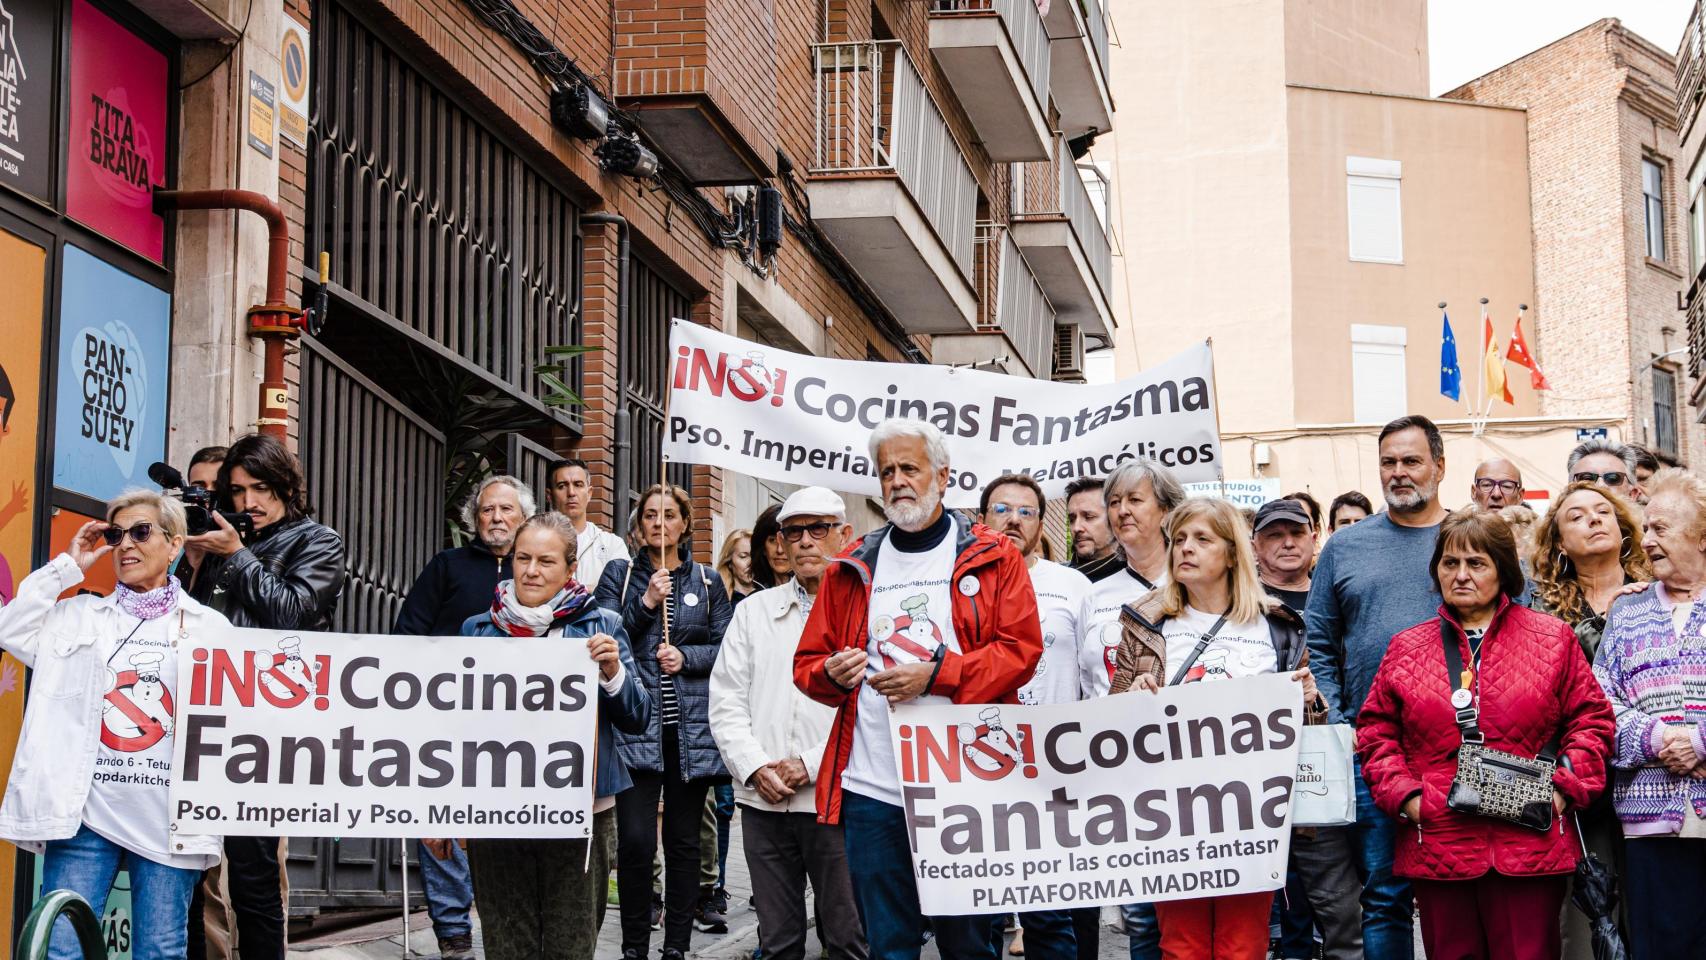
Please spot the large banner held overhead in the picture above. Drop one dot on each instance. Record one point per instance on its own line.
(1133, 798)
(340, 735)
(801, 419)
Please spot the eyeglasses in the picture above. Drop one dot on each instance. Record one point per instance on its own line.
(1488, 485)
(1002, 510)
(138, 534)
(817, 531)
(1615, 478)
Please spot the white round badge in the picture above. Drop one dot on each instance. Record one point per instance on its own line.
(969, 585)
(691, 599)
(1461, 698)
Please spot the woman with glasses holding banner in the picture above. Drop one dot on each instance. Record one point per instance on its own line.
(675, 611)
(1212, 620)
(89, 784)
(1483, 724)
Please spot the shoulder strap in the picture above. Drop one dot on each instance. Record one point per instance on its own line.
(1202, 645)
(1468, 718)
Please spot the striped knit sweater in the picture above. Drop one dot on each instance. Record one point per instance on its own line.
(1654, 679)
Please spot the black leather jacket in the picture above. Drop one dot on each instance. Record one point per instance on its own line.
(289, 578)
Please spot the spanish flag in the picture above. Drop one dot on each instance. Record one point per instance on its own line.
(1497, 386)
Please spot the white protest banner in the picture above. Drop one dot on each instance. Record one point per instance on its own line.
(801, 419)
(343, 735)
(1137, 797)
(1243, 493)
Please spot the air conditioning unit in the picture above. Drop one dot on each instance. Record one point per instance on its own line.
(1069, 353)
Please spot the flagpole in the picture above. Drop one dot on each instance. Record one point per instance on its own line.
(1481, 374)
(1486, 330)
(1214, 394)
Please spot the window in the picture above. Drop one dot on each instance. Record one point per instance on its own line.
(1697, 220)
(1016, 190)
(1095, 179)
(1373, 209)
(1377, 373)
(1653, 198)
(1664, 410)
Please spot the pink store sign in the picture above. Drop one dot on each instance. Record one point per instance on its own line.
(117, 153)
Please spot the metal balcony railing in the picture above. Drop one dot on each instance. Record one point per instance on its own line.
(1011, 301)
(1690, 72)
(1096, 20)
(1696, 326)
(1056, 189)
(1024, 25)
(874, 115)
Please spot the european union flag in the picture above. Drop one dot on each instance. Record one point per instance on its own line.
(1450, 377)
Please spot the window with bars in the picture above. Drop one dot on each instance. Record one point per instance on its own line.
(1664, 410)
(653, 302)
(1653, 200)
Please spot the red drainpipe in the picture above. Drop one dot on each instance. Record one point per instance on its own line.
(274, 322)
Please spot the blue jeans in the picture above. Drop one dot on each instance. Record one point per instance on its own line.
(1296, 921)
(1049, 935)
(1387, 929)
(159, 895)
(725, 795)
(879, 862)
(1144, 930)
(449, 891)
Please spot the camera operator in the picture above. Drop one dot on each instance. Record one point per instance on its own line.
(288, 577)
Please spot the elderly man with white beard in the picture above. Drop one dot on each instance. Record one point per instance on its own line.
(930, 608)
(1371, 582)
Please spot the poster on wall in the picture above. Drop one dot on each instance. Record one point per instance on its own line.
(23, 268)
(117, 135)
(29, 55)
(110, 413)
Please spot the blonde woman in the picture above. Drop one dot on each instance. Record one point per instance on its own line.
(1211, 620)
(734, 565)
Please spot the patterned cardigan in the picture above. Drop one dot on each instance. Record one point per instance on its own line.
(1654, 679)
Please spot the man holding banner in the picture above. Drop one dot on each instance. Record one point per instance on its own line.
(930, 609)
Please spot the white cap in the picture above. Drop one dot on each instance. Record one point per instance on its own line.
(813, 502)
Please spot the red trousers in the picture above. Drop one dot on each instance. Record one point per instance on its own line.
(1493, 917)
(1233, 927)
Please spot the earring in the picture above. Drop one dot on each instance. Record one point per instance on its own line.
(1628, 546)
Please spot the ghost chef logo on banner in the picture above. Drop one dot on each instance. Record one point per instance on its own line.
(987, 750)
(118, 131)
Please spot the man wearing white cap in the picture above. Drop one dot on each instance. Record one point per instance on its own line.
(772, 738)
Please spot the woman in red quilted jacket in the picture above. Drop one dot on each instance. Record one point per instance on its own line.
(1486, 887)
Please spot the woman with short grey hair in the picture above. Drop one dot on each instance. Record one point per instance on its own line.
(68, 798)
(1139, 494)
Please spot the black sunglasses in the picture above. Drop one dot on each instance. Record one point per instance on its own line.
(818, 531)
(138, 534)
(1615, 478)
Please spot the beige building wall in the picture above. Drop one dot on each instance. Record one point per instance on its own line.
(1358, 45)
(1598, 102)
(1464, 210)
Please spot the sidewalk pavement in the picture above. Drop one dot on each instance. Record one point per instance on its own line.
(383, 938)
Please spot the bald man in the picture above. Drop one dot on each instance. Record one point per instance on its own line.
(1498, 484)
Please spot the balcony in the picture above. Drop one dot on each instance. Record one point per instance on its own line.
(995, 54)
(889, 186)
(1015, 323)
(1065, 242)
(1690, 73)
(1078, 35)
(699, 77)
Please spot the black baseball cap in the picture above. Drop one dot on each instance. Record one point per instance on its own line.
(1274, 510)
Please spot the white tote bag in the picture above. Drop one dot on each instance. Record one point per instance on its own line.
(1324, 794)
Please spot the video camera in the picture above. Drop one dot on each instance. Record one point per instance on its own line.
(199, 503)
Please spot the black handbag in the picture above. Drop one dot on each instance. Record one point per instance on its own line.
(1488, 782)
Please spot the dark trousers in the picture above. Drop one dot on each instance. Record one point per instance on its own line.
(1050, 935)
(1493, 917)
(543, 899)
(783, 850)
(637, 843)
(1324, 866)
(1087, 931)
(251, 867)
(879, 861)
(1662, 881)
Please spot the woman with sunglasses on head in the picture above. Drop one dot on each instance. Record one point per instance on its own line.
(72, 796)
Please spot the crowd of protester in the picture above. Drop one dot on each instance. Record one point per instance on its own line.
(760, 687)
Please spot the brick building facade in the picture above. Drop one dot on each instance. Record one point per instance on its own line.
(1609, 276)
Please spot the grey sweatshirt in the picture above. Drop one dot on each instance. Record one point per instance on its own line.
(1371, 582)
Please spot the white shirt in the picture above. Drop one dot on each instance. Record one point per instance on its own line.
(757, 714)
(1237, 650)
(911, 615)
(1063, 605)
(129, 797)
(1096, 659)
(594, 548)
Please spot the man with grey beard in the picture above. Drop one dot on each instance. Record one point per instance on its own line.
(930, 608)
(1371, 582)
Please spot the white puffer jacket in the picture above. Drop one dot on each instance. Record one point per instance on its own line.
(65, 643)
